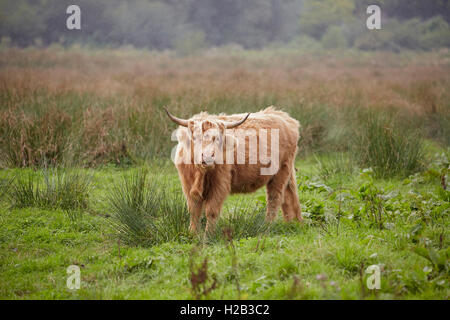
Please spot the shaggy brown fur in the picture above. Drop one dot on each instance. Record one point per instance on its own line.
(207, 186)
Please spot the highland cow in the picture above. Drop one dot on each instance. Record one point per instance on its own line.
(218, 155)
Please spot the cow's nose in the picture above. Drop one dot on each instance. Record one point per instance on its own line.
(208, 160)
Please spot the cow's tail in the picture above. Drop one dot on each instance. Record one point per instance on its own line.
(292, 183)
(292, 186)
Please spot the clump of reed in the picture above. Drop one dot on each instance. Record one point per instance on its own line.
(145, 213)
(386, 145)
(54, 188)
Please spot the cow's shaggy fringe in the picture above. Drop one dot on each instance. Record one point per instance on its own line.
(52, 189)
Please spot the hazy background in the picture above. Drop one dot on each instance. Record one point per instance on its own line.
(189, 25)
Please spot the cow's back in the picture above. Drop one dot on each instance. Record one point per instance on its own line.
(247, 177)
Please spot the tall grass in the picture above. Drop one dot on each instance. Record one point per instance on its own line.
(5, 184)
(438, 125)
(145, 213)
(109, 111)
(389, 147)
(33, 140)
(53, 188)
(315, 124)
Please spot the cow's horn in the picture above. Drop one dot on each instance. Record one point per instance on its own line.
(231, 125)
(179, 121)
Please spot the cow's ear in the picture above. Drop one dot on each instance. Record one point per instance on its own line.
(183, 135)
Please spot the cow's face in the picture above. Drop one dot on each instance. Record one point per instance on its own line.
(204, 142)
(205, 139)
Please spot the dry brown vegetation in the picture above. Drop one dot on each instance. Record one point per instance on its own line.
(94, 107)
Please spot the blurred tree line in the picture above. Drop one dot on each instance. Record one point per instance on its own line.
(187, 25)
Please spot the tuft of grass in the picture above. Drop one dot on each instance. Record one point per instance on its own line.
(439, 125)
(242, 220)
(5, 184)
(52, 189)
(388, 147)
(144, 213)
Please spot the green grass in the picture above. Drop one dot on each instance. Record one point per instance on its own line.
(146, 212)
(54, 188)
(388, 146)
(5, 184)
(323, 258)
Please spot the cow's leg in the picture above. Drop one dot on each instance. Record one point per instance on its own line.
(275, 191)
(212, 210)
(291, 205)
(213, 204)
(196, 191)
(195, 210)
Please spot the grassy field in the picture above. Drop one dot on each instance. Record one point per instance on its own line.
(86, 177)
